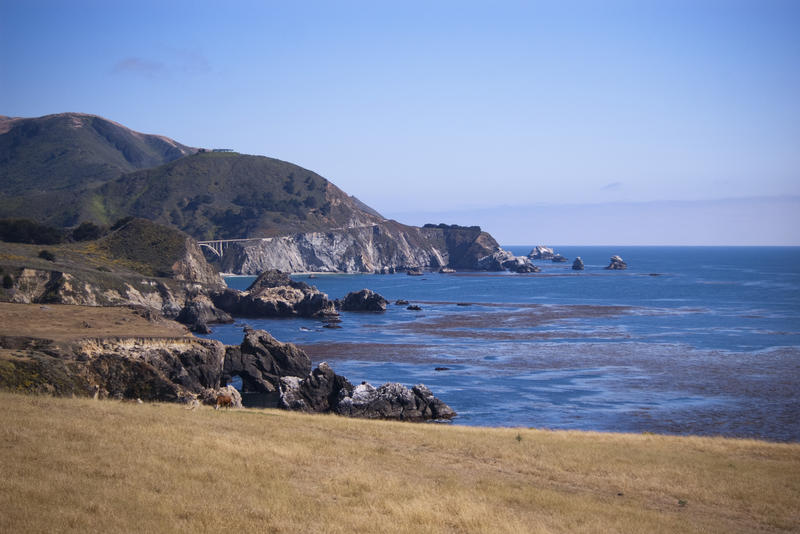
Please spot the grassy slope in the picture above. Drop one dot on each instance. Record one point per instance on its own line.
(46, 162)
(73, 150)
(226, 195)
(90, 466)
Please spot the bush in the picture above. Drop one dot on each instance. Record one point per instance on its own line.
(27, 231)
(87, 232)
(47, 255)
(8, 282)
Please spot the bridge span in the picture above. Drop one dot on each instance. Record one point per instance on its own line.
(218, 246)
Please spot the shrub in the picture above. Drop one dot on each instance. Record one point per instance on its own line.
(27, 231)
(47, 255)
(87, 231)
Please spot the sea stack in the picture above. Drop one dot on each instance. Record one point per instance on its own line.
(541, 253)
(617, 264)
(577, 265)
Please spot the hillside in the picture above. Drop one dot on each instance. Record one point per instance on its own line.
(222, 195)
(46, 162)
(65, 169)
(77, 465)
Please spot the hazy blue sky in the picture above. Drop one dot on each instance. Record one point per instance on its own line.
(561, 110)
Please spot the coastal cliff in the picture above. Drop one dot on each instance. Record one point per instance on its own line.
(125, 353)
(381, 247)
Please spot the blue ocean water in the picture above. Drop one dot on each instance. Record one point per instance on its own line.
(687, 340)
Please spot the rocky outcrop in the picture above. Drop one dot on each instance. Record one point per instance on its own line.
(140, 264)
(198, 310)
(616, 264)
(192, 370)
(324, 391)
(541, 253)
(577, 265)
(392, 401)
(261, 361)
(318, 392)
(503, 260)
(364, 300)
(153, 369)
(386, 246)
(558, 258)
(274, 294)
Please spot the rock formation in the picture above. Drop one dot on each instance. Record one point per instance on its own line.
(140, 263)
(558, 258)
(198, 312)
(616, 264)
(383, 247)
(261, 361)
(577, 265)
(364, 300)
(325, 391)
(541, 253)
(318, 392)
(275, 294)
(503, 260)
(392, 401)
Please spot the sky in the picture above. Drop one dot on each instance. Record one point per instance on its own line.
(565, 122)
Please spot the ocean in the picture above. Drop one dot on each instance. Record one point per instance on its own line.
(687, 340)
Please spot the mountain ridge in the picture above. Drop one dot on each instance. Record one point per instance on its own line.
(67, 168)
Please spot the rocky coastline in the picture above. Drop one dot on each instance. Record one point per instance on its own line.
(384, 248)
(186, 369)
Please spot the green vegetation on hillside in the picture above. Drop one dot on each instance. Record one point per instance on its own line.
(71, 151)
(226, 195)
(66, 169)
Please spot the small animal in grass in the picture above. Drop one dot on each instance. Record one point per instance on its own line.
(224, 401)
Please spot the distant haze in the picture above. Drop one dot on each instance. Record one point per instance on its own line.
(601, 122)
(731, 222)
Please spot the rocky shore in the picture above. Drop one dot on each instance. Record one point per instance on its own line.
(60, 356)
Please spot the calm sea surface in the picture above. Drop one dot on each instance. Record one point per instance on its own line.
(687, 340)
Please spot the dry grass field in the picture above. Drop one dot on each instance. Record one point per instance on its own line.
(77, 465)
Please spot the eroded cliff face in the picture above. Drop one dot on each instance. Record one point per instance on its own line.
(90, 289)
(374, 248)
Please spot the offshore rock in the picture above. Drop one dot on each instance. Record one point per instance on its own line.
(261, 361)
(274, 294)
(558, 258)
(503, 260)
(494, 261)
(577, 265)
(541, 253)
(364, 300)
(617, 264)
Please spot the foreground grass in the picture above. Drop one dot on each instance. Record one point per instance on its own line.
(77, 465)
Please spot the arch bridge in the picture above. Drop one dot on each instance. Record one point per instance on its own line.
(218, 246)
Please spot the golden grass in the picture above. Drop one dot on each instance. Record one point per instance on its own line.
(66, 322)
(77, 465)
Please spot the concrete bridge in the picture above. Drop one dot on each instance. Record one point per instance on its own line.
(218, 246)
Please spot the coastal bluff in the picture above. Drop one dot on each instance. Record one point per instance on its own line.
(126, 353)
(385, 246)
